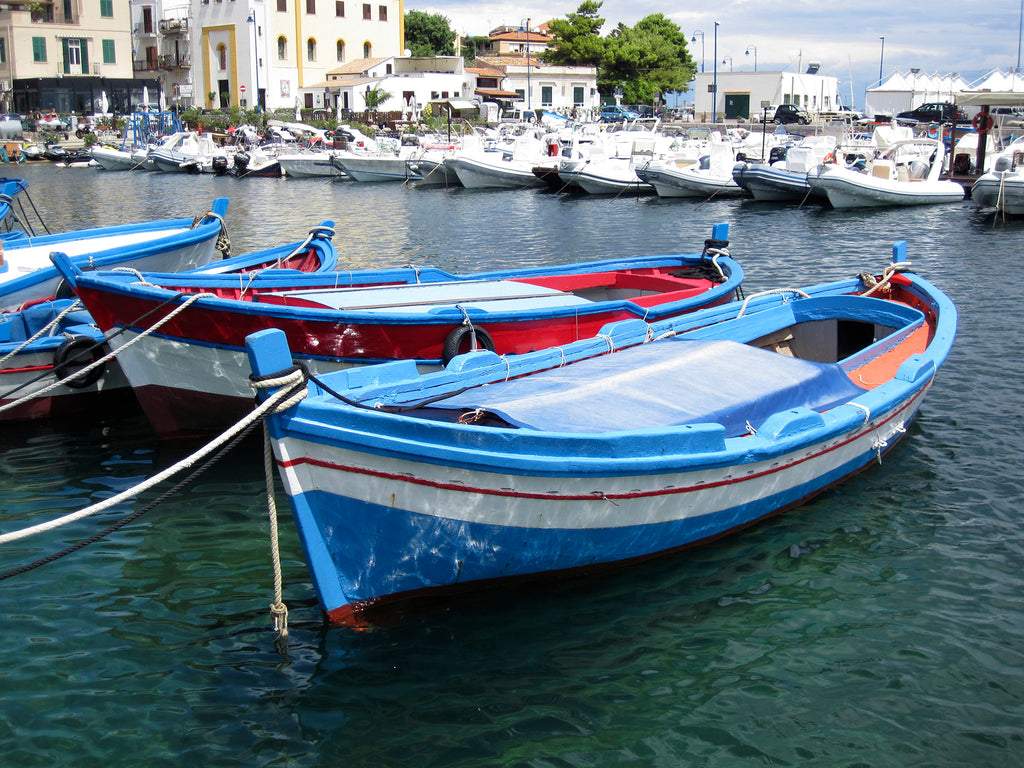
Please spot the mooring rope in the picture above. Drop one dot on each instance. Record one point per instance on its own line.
(44, 331)
(110, 355)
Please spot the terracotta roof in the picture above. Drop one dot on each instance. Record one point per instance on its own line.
(486, 71)
(531, 37)
(497, 93)
(500, 62)
(357, 66)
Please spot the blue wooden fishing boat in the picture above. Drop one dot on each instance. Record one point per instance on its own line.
(27, 274)
(58, 340)
(641, 441)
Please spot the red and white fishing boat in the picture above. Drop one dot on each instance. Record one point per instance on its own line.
(191, 375)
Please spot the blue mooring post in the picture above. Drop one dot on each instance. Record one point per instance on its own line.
(899, 251)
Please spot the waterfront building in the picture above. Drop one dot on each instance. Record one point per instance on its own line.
(162, 49)
(67, 56)
(276, 53)
(741, 94)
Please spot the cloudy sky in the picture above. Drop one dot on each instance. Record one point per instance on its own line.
(967, 37)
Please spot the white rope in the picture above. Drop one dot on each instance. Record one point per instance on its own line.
(278, 610)
(281, 399)
(887, 274)
(717, 252)
(769, 293)
(110, 355)
(44, 331)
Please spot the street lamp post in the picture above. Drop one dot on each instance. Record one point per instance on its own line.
(754, 49)
(255, 56)
(694, 40)
(714, 82)
(730, 61)
(881, 58)
(529, 100)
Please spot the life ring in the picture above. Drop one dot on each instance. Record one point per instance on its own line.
(458, 335)
(829, 158)
(71, 355)
(933, 131)
(983, 122)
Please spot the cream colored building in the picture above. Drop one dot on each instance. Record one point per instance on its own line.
(61, 53)
(277, 48)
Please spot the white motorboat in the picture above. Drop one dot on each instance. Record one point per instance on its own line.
(1002, 187)
(786, 178)
(907, 173)
(309, 163)
(711, 176)
(112, 159)
(499, 165)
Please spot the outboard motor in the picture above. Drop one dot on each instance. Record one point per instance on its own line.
(220, 165)
(705, 162)
(1003, 164)
(918, 169)
(776, 154)
(241, 163)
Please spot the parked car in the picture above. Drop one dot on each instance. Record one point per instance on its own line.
(932, 112)
(612, 113)
(787, 114)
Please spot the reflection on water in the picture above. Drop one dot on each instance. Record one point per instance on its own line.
(879, 625)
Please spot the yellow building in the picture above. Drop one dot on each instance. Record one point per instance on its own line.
(274, 48)
(63, 54)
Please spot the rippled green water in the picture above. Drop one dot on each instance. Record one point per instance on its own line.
(880, 625)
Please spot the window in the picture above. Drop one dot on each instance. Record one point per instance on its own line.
(107, 9)
(311, 7)
(367, 11)
(382, 13)
(222, 57)
(76, 57)
(3, 50)
(108, 52)
(282, 48)
(577, 95)
(339, 9)
(546, 95)
(367, 50)
(340, 45)
(38, 49)
(282, 6)
(311, 49)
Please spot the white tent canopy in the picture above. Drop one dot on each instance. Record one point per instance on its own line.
(903, 91)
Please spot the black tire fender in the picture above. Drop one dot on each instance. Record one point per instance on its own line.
(71, 354)
(456, 337)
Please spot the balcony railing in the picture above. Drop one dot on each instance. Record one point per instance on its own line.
(173, 26)
(145, 65)
(175, 61)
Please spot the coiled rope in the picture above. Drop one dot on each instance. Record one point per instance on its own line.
(223, 241)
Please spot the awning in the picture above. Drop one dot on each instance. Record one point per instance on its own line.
(989, 98)
(497, 93)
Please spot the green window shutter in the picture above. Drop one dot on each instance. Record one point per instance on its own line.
(38, 49)
(3, 50)
(108, 52)
(67, 60)
(107, 8)
(85, 56)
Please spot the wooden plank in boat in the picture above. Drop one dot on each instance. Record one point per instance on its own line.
(468, 292)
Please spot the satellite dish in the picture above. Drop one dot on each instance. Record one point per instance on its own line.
(407, 52)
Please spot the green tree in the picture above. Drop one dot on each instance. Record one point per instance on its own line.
(650, 58)
(429, 34)
(472, 45)
(577, 37)
(375, 97)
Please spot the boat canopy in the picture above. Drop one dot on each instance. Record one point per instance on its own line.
(669, 383)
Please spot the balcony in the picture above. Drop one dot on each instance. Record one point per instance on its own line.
(145, 65)
(174, 26)
(143, 30)
(172, 61)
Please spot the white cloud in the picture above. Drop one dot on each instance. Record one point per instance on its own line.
(940, 36)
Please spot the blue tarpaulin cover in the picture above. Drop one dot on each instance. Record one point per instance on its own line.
(666, 383)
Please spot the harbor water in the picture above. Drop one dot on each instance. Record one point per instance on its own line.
(881, 624)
